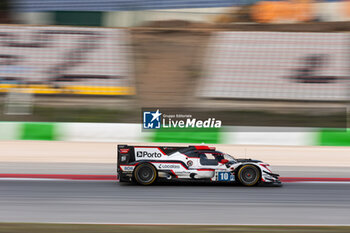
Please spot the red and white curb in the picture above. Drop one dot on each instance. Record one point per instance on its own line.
(313, 179)
(114, 178)
(57, 177)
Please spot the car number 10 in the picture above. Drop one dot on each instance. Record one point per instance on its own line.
(225, 176)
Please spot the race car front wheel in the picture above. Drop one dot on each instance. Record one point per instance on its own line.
(249, 175)
(145, 174)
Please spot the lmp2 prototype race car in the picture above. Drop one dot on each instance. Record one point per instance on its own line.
(147, 164)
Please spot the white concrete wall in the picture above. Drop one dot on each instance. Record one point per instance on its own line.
(100, 132)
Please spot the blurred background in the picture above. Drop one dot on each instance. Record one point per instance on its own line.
(256, 63)
(76, 74)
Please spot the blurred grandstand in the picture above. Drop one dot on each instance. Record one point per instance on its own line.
(101, 61)
(121, 13)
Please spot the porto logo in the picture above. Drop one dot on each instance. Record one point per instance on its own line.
(143, 154)
(151, 120)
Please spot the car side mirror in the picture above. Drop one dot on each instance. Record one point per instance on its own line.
(224, 161)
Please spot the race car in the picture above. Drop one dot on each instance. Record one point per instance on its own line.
(147, 164)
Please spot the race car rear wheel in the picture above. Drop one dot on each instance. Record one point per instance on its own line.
(249, 175)
(145, 174)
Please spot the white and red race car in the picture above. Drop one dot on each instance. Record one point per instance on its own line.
(147, 164)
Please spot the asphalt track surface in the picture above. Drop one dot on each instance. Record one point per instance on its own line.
(111, 202)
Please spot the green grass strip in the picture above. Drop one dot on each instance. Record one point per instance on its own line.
(37, 131)
(332, 137)
(187, 135)
(95, 228)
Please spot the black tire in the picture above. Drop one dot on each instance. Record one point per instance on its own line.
(145, 174)
(249, 175)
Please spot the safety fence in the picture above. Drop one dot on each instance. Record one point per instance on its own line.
(65, 60)
(131, 133)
